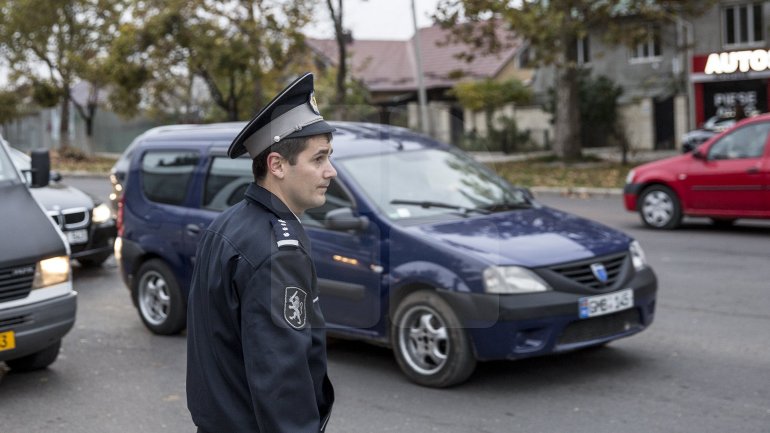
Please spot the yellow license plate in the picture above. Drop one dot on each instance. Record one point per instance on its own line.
(7, 340)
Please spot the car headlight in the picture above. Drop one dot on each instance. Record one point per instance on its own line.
(51, 271)
(630, 176)
(101, 213)
(638, 258)
(512, 279)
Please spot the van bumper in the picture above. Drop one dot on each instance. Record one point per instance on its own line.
(39, 325)
(522, 326)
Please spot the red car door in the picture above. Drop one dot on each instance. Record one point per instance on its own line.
(732, 177)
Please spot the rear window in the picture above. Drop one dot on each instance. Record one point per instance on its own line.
(166, 175)
(226, 182)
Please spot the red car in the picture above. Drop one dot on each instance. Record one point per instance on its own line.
(725, 178)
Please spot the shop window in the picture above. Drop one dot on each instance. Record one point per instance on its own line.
(583, 51)
(648, 49)
(743, 24)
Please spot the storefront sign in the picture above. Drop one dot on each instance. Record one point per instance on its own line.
(737, 61)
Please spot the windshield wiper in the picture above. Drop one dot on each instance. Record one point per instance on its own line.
(438, 204)
(506, 205)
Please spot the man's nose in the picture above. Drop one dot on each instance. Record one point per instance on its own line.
(330, 172)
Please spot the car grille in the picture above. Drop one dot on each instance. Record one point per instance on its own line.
(581, 272)
(16, 282)
(15, 321)
(600, 327)
(69, 219)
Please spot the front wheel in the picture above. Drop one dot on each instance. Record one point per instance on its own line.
(159, 299)
(659, 207)
(37, 360)
(430, 345)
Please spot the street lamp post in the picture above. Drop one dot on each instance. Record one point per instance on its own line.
(421, 94)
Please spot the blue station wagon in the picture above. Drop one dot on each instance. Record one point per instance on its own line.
(418, 247)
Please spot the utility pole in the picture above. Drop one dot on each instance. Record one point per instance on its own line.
(421, 94)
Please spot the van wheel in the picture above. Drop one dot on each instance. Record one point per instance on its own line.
(429, 343)
(37, 360)
(659, 207)
(158, 299)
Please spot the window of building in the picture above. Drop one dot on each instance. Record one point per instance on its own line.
(166, 175)
(743, 24)
(649, 49)
(583, 51)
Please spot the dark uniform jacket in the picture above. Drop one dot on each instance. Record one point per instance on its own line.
(256, 350)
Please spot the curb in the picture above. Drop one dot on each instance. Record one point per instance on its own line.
(579, 192)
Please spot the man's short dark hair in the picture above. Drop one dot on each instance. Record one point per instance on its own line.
(289, 148)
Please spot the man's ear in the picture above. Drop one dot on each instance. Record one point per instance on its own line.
(275, 165)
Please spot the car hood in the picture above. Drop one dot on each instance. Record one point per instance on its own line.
(63, 196)
(529, 237)
(22, 219)
(665, 164)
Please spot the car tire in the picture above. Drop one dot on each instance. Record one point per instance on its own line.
(158, 299)
(660, 208)
(430, 344)
(35, 361)
(93, 261)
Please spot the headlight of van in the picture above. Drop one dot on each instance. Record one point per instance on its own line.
(101, 213)
(638, 258)
(512, 279)
(51, 271)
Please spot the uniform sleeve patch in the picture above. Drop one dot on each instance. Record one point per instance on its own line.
(295, 308)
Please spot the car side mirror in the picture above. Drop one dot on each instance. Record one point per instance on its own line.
(697, 154)
(55, 176)
(40, 168)
(687, 147)
(343, 219)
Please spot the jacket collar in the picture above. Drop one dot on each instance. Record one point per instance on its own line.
(270, 201)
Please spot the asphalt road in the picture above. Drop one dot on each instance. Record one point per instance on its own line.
(704, 365)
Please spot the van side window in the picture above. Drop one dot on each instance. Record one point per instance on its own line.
(166, 175)
(226, 182)
(336, 197)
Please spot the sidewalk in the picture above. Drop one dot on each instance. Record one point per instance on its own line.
(606, 153)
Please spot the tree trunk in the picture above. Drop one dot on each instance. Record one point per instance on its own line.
(64, 121)
(567, 143)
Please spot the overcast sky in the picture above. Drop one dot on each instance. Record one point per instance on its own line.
(375, 19)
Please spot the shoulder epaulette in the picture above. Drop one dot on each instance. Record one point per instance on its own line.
(283, 235)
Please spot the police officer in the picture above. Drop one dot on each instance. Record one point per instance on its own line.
(256, 354)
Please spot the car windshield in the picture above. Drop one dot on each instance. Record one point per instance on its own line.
(430, 182)
(7, 169)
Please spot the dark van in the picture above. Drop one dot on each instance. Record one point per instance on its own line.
(37, 302)
(418, 247)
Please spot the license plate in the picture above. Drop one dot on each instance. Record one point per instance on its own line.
(77, 236)
(7, 340)
(600, 305)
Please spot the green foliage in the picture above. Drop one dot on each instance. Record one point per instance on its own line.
(180, 54)
(68, 38)
(356, 106)
(552, 29)
(490, 94)
(45, 93)
(598, 107)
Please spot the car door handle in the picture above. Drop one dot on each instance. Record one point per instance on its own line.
(752, 170)
(192, 229)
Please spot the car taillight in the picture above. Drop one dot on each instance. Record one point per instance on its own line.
(119, 221)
